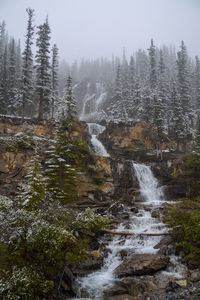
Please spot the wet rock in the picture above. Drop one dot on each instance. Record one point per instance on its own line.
(120, 297)
(195, 275)
(134, 210)
(133, 286)
(171, 286)
(182, 283)
(67, 282)
(164, 242)
(155, 213)
(142, 264)
(114, 291)
(123, 254)
(88, 266)
(115, 208)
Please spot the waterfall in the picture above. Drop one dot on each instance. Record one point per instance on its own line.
(95, 130)
(142, 222)
(149, 188)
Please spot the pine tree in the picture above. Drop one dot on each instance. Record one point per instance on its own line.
(43, 76)
(33, 193)
(27, 69)
(61, 176)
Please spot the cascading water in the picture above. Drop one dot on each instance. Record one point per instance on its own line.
(140, 223)
(95, 130)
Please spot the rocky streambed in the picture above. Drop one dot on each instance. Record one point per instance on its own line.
(135, 260)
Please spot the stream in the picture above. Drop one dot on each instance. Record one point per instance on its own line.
(97, 282)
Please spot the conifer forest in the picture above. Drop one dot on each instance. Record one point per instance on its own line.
(99, 150)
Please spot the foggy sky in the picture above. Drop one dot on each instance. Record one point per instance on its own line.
(95, 28)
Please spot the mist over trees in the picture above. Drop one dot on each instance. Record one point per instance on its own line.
(160, 86)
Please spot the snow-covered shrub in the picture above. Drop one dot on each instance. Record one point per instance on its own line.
(90, 222)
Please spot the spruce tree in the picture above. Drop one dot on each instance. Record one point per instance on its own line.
(27, 68)
(184, 88)
(70, 101)
(61, 176)
(54, 79)
(177, 129)
(153, 67)
(157, 117)
(115, 110)
(43, 75)
(33, 193)
(13, 96)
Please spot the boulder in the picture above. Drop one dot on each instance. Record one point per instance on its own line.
(133, 286)
(195, 275)
(141, 264)
(67, 282)
(89, 265)
(115, 291)
(120, 297)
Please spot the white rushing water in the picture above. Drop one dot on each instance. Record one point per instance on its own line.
(140, 223)
(95, 130)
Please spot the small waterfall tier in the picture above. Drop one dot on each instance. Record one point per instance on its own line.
(146, 233)
(149, 188)
(95, 130)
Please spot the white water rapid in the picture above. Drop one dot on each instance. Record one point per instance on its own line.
(94, 284)
(95, 130)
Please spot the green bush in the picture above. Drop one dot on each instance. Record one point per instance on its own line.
(89, 222)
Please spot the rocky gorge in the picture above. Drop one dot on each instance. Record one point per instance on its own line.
(135, 258)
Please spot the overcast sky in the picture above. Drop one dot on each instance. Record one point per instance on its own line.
(94, 28)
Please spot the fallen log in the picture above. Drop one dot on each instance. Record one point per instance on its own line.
(131, 233)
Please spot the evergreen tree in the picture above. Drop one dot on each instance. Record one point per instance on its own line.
(138, 101)
(153, 67)
(2, 45)
(163, 89)
(61, 176)
(33, 193)
(70, 101)
(116, 108)
(13, 95)
(177, 126)
(131, 79)
(43, 76)
(27, 69)
(197, 82)
(125, 84)
(184, 86)
(4, 84)
(54, 78)
(147, 104)
(197, 136)
(157, 117)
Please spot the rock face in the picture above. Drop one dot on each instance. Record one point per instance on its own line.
(127, 139)
(142, 264)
